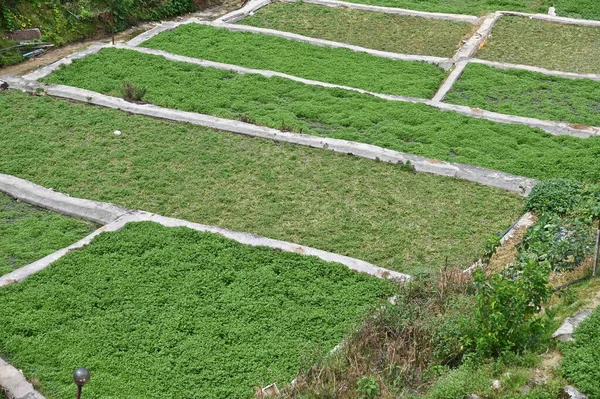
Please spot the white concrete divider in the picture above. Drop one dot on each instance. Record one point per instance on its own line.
(265, 73)
(550, 18)
(450, 80)
(163, 26)
(476, 40)
(97, 212)
(14, 383)
(471, 19)
(560, 74)
(488, 177)
(22, 190)
(248, 9)
(48, 69)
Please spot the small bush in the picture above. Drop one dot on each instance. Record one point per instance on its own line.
(368, 387)
(555, 195)
(132, 92)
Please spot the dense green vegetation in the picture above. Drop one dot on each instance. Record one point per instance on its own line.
(365, 209)
(519, 92)
(9, 57)
(388, 32)
(62, 22)
(293, 106)
(581, 363)
(549, 45)
(28, 233)
(338, 66)
(589, 9)
(160, 312)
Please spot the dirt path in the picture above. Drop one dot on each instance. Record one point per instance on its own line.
(56, 54)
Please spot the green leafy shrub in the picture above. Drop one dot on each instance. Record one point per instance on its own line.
(507, 307)
(563, 242)
(554, 195)
(132, 92)
(368, 387)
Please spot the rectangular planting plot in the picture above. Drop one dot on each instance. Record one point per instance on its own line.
(332, 65)
(549, 45)
(524, 93)
(156, 312)
(28, 233)
(374, 30)
(296, 107)
(374, 211)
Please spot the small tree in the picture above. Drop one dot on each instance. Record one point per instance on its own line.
(113, 13)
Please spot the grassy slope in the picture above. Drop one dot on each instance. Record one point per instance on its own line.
(339, 66)
(357, 207)
(581, 363)
(589, 9)
(28, 233)
(288, 105)
(389, 32)
(526, 93)
(159, 312)
(553, 46)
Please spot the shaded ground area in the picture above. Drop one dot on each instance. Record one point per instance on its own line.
(357, 207)
(548, 45)
(332, 65)
(518, 92)
(160, 312)
(291, 106)
(388, 32)
(28, 233)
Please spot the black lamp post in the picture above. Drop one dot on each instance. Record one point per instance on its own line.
(81, 377)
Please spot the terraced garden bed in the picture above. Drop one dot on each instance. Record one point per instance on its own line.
(160, 312)
(369, 210)
(388, 32)
(332, 65)
(519, 92)
(548, 45)
(28, 233)
(292, 106)
(588, 9)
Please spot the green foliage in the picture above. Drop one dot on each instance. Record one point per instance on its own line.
(28, 233)
(325, 64)
(563, 242)
(368, 387)
(133, 92)
(559, 196)
(9, 57)
(544, 44)
(491, 244)
(507, 307)
(157, 312)
(581, 362)
(412, 128)
(380, 31)
(388, 216)
(519, 92)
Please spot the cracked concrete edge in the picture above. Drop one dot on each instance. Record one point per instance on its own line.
(449, 82)
(48, 69)
(248, 9)
(443, 62)
(552, 127)
(567, 329)
(476, 40)
(471, 19)
(512, 183)
(567, 75)
(526, 220)
(14, 383)
(265, 73)
(97, 212)
(550, 18)
(47, 198)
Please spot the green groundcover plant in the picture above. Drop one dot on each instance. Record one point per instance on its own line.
(292, 106)
(160, 312)
(28, 233)
(548, 45)
(325, 64)
(369, 210)
(380, 31)
(519, 92)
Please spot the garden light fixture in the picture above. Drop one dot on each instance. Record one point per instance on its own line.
(81, 376)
